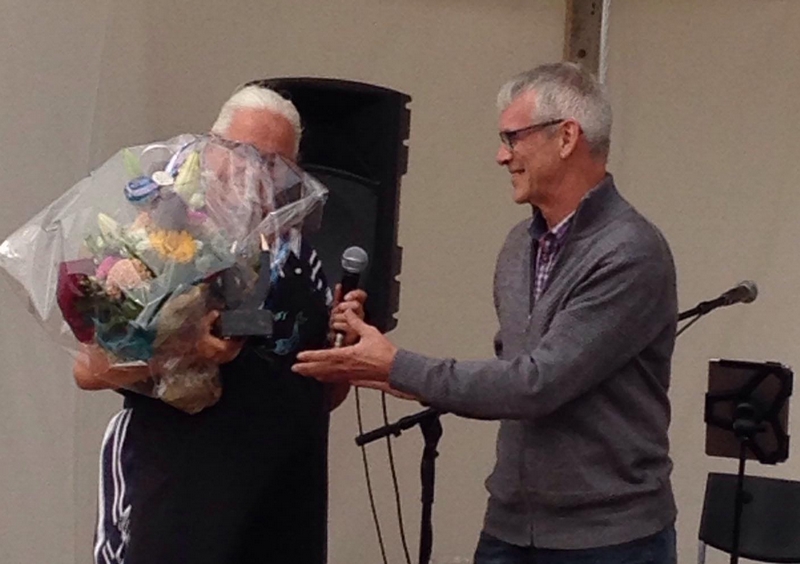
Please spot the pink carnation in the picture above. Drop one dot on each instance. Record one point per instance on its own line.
(196, 217)
(106, 266)
(126, 274)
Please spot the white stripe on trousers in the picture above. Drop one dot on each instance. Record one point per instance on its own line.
(110, 515)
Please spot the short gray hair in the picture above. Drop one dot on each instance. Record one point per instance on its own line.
(562, 91)
(256, 97)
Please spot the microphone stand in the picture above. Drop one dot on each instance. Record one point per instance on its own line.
(703, 308)
(697, 312)
(431, 427)
(744, 292)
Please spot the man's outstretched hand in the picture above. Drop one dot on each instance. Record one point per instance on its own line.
(370, 358)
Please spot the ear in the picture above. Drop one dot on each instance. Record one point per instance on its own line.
(568, 140)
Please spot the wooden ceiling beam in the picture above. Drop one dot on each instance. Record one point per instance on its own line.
(582, 38)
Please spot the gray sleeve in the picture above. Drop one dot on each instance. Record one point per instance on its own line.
(621, 307)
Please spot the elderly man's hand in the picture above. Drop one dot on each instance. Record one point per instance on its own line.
(370, 359)
(353, 301)
(211, 347)
(93, 371)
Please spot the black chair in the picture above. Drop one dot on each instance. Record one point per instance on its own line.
(770, 525)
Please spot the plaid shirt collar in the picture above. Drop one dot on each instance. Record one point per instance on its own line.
(538, 227)
(546, 245)
(539, 230)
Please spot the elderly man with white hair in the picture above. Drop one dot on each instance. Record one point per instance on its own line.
(245, 480)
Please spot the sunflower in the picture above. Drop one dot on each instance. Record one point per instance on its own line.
(178, 246)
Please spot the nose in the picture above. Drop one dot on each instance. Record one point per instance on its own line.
(503, 156)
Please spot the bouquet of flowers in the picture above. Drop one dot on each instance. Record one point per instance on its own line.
(131, 257)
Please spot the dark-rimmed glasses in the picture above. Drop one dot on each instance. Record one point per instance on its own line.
(510, 137)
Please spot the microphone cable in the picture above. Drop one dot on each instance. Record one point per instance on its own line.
(689, 323)
(369, 480)
(393, 469)
(395, 484)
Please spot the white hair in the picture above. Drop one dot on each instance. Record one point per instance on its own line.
(255, 97)
(564, 91)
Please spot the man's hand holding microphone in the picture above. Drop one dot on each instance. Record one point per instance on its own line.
(361, 355)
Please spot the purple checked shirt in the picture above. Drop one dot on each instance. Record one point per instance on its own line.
(547, 245)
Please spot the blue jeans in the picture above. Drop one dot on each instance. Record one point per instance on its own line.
(655, 549)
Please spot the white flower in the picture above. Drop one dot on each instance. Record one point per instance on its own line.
(187, 182)
(197, 201)
(137, 234)
(108, 227)
(142, 246)
(138, 239)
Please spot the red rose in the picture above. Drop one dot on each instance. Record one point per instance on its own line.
(73, 280)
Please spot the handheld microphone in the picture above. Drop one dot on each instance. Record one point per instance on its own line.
(354, 262)
(743, 293)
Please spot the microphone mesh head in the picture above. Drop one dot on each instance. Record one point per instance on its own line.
(752, 291)
(354, 260)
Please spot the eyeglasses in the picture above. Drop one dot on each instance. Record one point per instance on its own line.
(510, 138)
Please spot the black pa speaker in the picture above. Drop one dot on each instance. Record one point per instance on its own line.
(354, 142)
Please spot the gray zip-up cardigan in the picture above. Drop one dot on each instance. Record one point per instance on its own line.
(580, 384)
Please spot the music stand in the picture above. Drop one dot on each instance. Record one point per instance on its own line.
(746, 416)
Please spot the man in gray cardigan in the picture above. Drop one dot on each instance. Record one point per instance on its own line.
(586, 301)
